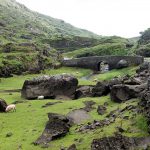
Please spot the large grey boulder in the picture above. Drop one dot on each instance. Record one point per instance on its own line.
(122, 92)
(50, 87)
(3, 105)
(57, 126)
(101, 88)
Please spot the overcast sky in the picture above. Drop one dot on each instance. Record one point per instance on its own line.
(124, 18)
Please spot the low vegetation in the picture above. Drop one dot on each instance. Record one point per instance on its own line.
(25, 126)
(31, 45)
(107, 46)
(28, 122)
(16, 82)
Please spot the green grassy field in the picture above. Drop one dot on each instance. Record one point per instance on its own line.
(28, 122)
(16, 82)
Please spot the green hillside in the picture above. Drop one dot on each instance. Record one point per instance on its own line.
(19, 24)
(107, 46)
(29, 41)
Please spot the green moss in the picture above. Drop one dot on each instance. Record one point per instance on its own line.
(141, 122)
(106, 46)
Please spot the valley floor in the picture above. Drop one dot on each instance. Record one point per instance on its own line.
(28, 122)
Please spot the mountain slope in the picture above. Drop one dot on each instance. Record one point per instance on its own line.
(143, 44)
(19, 24)
(29, 41)
(107, 46)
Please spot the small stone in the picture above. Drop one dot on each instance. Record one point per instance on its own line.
(80, 140)
(72, 147)
(120, 129)
(9, 134)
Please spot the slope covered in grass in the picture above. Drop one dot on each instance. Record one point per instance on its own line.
(106, 46)
(16, 82)
(28, 122)
(19, 24)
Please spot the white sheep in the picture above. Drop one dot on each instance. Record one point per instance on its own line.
(40, 97)
(11, 107)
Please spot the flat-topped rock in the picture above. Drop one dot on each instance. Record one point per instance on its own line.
(57, 126)
(50, 86)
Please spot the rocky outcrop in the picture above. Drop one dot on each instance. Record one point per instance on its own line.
(101, 110)
(50, 87)
(57, 126)
(88, 105)
(50, 104)
(101, 88)
(119, 142)
(123, 92)
(143, 67)
(83, 91)
(3, 105)
(145, 103)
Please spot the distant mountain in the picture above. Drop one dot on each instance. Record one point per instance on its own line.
(19, 24)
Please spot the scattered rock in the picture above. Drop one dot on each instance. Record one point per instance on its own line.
(3, 105)
(145, 103)
(120, 129)
(129, 107)
(28, 37)
(2, 24)
(84, 91)
(118, 142)
(121, 93)
(88, 105)
(126, 117)
(50, 86)
(9, 134)
(101, 109)
(96, 124)
(143, 67)
(72, 147)
(57, 126)
(133, 81)
(50, 104)
(106, 104)
(101, 88)
(19, 101)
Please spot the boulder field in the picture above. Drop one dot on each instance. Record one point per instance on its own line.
(120, 90)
